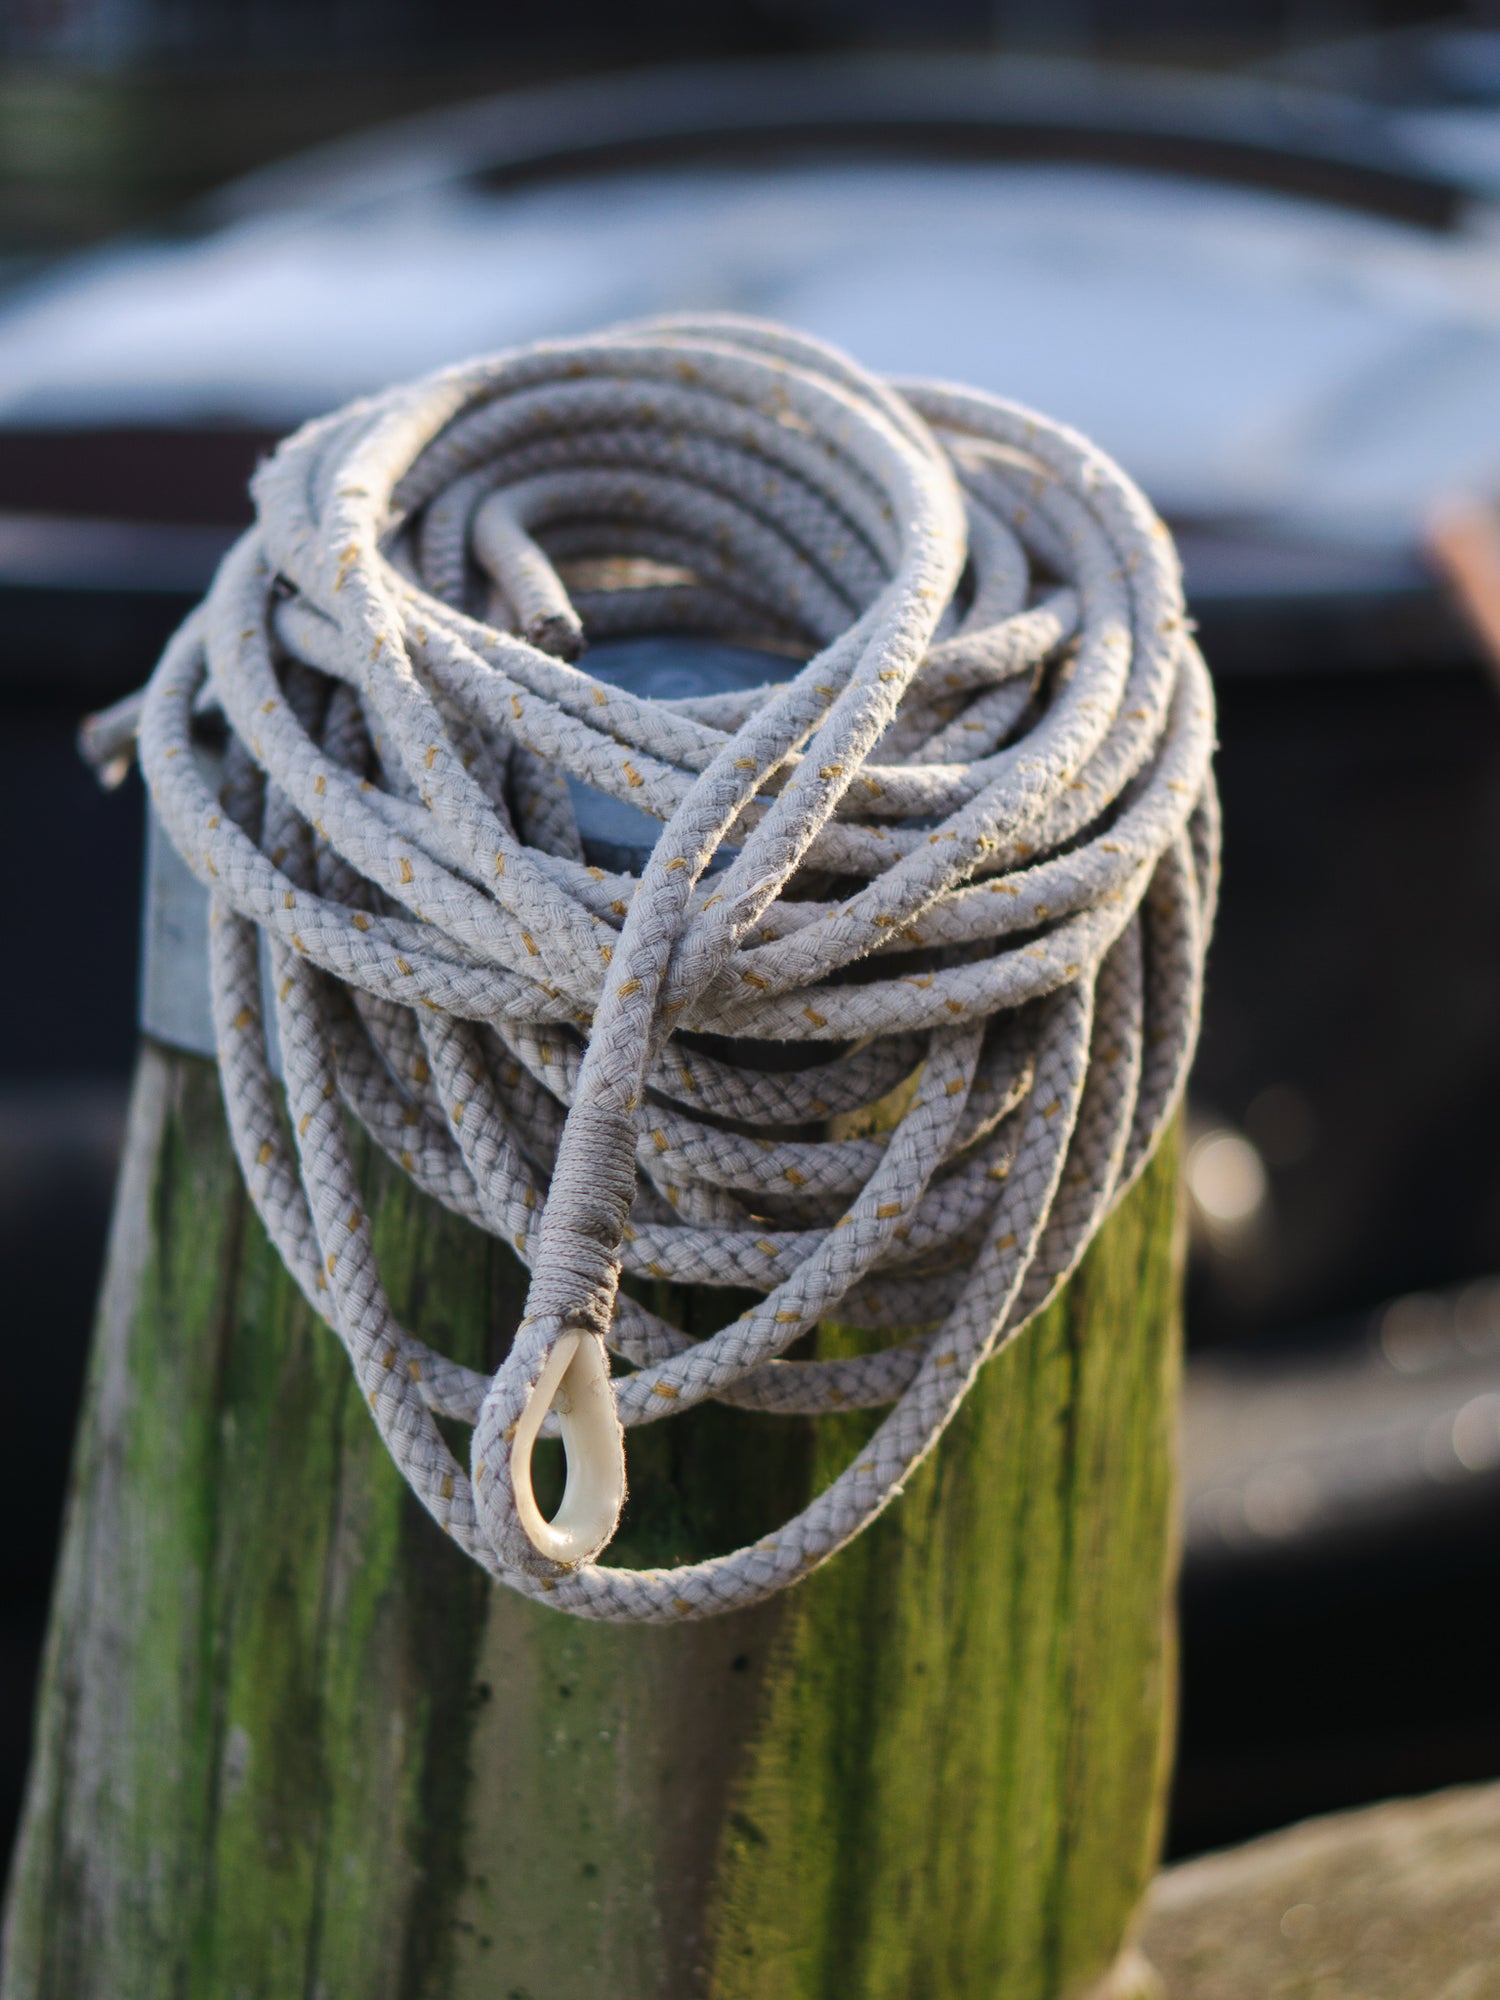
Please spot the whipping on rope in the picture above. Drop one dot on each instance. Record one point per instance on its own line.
(971, 855)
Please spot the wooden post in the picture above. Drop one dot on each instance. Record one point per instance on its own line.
(290, 1742)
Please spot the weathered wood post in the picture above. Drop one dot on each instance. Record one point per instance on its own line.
(291, 1741)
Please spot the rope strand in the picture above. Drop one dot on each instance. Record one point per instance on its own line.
(973, 854)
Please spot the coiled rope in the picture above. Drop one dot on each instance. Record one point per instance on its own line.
(976, 853)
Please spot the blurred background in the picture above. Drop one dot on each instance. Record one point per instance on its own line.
(1255, 250)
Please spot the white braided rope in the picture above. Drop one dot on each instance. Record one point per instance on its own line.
(989, 790)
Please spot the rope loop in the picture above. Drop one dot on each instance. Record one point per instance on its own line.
(575, 1383)
(896, 1009)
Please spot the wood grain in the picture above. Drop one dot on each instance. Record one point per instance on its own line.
(290, 1742)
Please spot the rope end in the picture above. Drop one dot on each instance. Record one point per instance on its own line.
(574, 1381)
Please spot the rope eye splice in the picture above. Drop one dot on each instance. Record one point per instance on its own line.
(965, 857)
(574, 1383)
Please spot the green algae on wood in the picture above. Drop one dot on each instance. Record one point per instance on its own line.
(245, 1765)
(292, 1743)
(957, 1786)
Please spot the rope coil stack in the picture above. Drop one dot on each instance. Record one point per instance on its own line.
(971, 855)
